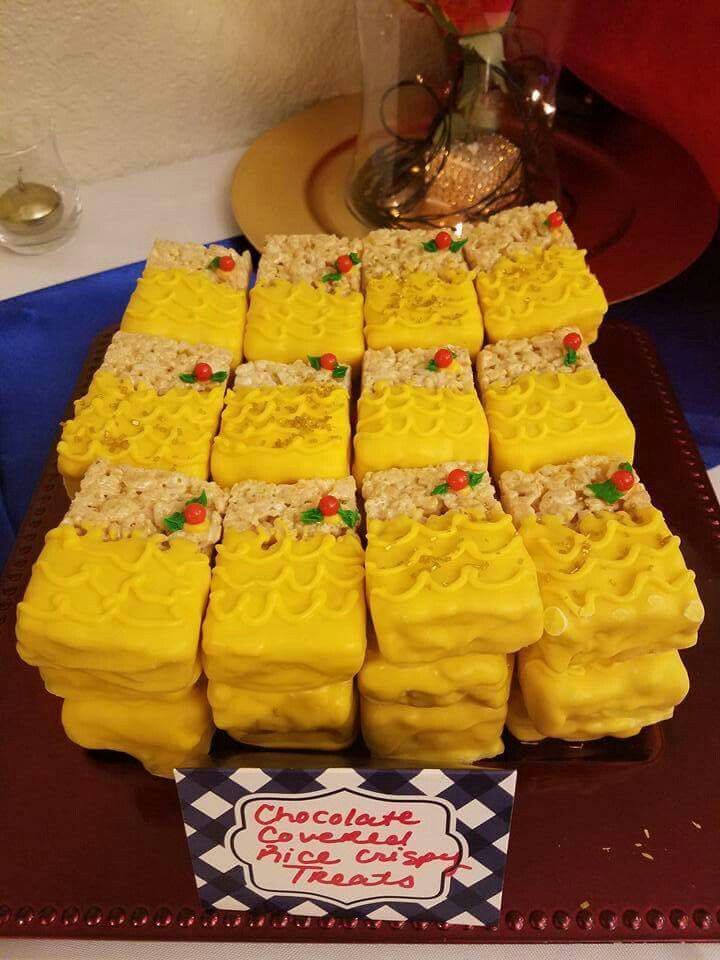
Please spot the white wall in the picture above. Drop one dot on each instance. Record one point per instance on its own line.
(133, 84)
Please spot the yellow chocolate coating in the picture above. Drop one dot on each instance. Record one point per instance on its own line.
(553, 418)
(283, 434)
(481, 678)
(453, 585)
(538, 292)
(423, 310)
(614, 698)
(405, 426)
(614, 588)
(127, 610)
(187, 306)
(321, 718)
(121, 422)
(76, 683)
(162, 734)
(460, 733)
(285, 613)
(289, 321)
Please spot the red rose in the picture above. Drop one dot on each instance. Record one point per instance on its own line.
(467, 17)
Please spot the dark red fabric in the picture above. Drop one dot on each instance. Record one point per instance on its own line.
(658, 60)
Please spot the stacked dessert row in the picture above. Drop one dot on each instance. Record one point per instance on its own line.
(212, 570)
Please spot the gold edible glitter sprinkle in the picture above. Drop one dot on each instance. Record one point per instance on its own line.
(648, 856)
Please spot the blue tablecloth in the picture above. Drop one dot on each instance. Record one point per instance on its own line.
(46, 335)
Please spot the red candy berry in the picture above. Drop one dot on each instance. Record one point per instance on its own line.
(458, 479)
(194, 513)
(573, 341)
(202, 371)
(344, 264)
(226, 264)
(328, 361)
(443, 240)
(555, 220)
(623, 480)
(443, 358)
(328, 506)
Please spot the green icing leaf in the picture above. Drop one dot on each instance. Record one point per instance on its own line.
(432, 366)
(440, 489)
(457, 245)
(202, 499)
(626, 466)
(355, 258)
(214, 263)
(175, 522)
(350, 518)
(332, 277)
(606, 491)
(314, 362)
(187, 377)
(430, 246)
(219, 376)
(475, 478)
(570, 358)
(314, 515)
(339, 372)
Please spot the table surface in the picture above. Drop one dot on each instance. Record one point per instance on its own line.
(55, 304)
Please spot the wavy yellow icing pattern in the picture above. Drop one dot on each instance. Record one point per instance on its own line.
(553, 418)
(285, 613)
(115, 606)
(287, 321)
(614, 588)
(482, 678)
(451, 585)
(541, 291)
(283, 434)
(462, 732)
(406, 426)
(123, 422)
(321, 718)
(596, 700)
(162, 734)
(187, 306)
(423, 310)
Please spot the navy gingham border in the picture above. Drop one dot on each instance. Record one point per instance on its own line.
(483, 801)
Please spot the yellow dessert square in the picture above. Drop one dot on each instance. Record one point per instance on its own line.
(319, 718)
(145, 407)
(303, 302)
(612, 578)
(423, 310)
(446, 574)
(460, 733)
(161, 734)
(593, 700)
(284, 422)
(412, 413)
(287, 604)
(539, 291)
(479, 678)
(184, 295)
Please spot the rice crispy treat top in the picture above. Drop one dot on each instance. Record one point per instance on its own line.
(268, 373)
(396, 253)
(124, 500)
(401, 492)
(157, 362)
(503, 362)
(411, 367)
(563, 490)
(194, 258)
(254, 505)
(309, 257)
(513, 233)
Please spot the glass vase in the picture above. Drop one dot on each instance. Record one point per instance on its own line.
(458, 107)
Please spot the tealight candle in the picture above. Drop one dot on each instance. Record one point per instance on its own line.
(27, 207)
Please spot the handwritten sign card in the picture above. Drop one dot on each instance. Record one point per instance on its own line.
(382, 844)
